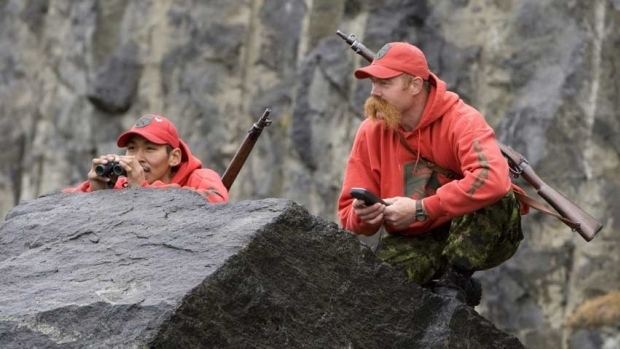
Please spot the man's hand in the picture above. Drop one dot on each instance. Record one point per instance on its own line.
(372, 215)
(99, 182)
(135, 172)
(400, 213)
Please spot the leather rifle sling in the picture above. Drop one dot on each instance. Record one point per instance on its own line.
(526, 199)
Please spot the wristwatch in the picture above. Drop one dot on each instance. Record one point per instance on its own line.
(420, 214)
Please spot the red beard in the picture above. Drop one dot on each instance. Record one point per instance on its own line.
(377, 108)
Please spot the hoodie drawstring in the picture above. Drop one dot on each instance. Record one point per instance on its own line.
(417, 157)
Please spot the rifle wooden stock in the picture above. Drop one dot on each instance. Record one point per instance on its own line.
(569, 213)
(244, 150)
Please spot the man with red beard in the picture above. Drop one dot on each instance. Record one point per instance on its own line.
(155, 157)
(435, 162)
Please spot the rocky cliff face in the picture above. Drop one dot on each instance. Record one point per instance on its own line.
(74, 74)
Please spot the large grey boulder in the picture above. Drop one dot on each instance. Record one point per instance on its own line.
(163, 268)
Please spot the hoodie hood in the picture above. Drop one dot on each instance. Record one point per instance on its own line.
(438, 103)
(188, 164)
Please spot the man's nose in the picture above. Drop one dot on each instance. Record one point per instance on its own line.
(139, 154)
(375, 91)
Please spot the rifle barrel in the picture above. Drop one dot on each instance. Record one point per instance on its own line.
(357, 46)
(231, 172)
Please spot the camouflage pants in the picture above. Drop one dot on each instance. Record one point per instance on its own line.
(476, 241)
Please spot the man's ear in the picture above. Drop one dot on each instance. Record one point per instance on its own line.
(417, 85)
(174, 158)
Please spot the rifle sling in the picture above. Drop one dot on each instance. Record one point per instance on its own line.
(530, 201)
(522, 197)
(427, 163)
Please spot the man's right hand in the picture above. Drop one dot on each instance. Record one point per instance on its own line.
(372, 215)
(99, 182)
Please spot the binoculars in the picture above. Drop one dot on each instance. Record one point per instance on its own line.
(111, 169)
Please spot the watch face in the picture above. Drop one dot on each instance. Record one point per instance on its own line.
(420, 216)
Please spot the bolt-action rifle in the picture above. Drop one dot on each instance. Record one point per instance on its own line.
(569, 213)
(244, 150)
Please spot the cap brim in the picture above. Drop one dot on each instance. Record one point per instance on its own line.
(376, 71)
(125, 137)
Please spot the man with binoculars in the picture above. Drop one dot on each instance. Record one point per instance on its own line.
(155, 157)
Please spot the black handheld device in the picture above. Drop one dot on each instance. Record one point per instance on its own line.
(366, 196)
(110, 169)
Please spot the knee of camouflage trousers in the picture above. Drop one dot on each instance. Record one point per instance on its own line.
(480, 240)
(485, 238)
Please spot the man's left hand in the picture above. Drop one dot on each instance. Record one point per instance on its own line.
(400, 213)
(135, 172)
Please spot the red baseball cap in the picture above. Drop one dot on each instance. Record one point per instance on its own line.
(156, 129)
(393, 59)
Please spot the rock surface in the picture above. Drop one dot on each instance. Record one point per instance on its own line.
(159, 268)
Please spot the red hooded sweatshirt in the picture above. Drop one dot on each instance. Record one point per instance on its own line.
(189, 175)
(450, 134)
